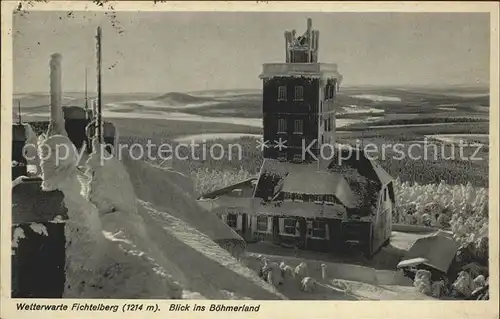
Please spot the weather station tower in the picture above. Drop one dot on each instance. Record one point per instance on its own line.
(298, 100)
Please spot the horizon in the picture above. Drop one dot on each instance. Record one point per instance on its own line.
(471, 86)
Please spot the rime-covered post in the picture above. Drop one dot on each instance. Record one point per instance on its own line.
(98, 115)
(56, 125)
(86, 94)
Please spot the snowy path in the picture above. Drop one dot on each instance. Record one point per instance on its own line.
(209, 269)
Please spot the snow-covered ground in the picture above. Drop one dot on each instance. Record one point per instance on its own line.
(179, 116)
(461, 138)
(214, 136)
(158, 104)
(146, 220)
(377, 98)
(164, 244)
(356, 109)
(174, 116)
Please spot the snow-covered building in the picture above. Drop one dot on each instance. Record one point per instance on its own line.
(304, 196)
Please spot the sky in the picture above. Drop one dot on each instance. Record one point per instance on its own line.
(184, 51)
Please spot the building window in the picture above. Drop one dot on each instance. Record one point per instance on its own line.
(328, 124)
(232, 220)
(297, 157)
(262, 223)
(282, 93)
(330, 199)
(385, 194)
(298, 127)
(281, 126)
(290, 226)
(318, 229)
(299, 93)
(329, 91)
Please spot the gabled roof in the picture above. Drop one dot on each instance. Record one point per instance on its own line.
(320, 183)
(362, 162)
(281, 177)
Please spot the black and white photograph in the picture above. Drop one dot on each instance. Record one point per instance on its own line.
(249, 155)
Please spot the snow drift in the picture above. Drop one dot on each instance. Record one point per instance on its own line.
(159, 246)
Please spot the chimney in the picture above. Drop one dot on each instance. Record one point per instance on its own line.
(56, 125)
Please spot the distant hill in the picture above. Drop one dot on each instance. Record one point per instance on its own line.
(176, 98)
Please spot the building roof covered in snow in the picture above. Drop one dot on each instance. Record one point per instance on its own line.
(352, 177)
(365, 164)
(279, 177)
(319, 183)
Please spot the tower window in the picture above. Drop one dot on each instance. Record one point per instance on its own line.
(281, 126)
(299, 93)
(329, 91)
(282, 93)
(298, 127)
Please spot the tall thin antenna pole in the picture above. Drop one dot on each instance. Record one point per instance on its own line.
(86, 94)
(99, 95)
(19, 111)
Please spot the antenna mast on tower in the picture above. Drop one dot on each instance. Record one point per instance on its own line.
(86, 94)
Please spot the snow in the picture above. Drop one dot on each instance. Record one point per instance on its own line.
(18, 234)
(464, 138)
(355, 109)
(173, 116)
(179, 116)
(120, 247)
(196, 138)
(377, 98)
(39, 229)
(159, 104)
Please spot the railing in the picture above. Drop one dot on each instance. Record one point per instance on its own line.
(290, 68)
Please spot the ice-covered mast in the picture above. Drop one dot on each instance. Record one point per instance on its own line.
(19, 112)
(308, 43)
(98, 113)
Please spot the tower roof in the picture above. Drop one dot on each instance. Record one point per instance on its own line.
(314, 70)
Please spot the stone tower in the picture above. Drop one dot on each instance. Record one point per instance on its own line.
(298, 100)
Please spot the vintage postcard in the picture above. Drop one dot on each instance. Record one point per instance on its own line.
(270, 159)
